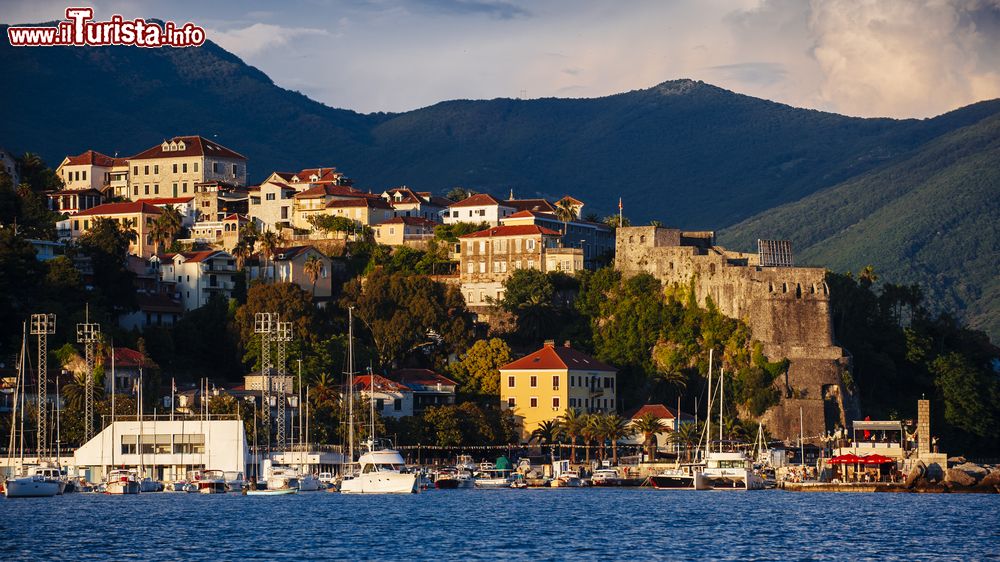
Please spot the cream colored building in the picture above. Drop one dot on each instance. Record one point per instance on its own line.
(314, 200)
(540, 386)
(408, 203)
(271, 203)
(400, 230)
(175, 167)
(90, 170)
(481, 207)
(137, 215)
(365, 211)
(289, 266)
(196, 276)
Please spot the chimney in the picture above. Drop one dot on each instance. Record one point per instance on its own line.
(550, 343)
(566, 344)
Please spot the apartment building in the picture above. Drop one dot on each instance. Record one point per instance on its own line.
(196, 276)
(595, 240)
(271, 203)
(540, 386)
(408, 203)
(177, 166)
(481, 207)
(365, 211)
(137, 215)
(398, 231)
(91, 170)
(313, 201)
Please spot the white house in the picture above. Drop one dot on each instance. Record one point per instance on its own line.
(271, 202)
(481, 207)
(197, 275)
(392, 399)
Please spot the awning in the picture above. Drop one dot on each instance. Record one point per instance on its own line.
(878, 425)
(845, 459)
(876, 459)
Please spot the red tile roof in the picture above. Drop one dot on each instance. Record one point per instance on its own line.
(168, 200)
(370, 202)
(572, 200)
(158, 303)
(660, 411)
(553, 357)
(129, 208)
(194, 257)
(236, 217)
(94, 158)
(421, 377)
(193, 146)
(477, 200)
(304, 174)
(514, 230)
(327, 189)
(364, 383)
(526, 214)
(128, 358)
(531, 205)
(410, 221)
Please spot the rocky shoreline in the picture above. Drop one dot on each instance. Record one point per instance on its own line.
(962, 477)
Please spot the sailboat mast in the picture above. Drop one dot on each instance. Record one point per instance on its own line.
(371, 404)
(708, 410)
(58, 432)
(350, 384)
(722, 399)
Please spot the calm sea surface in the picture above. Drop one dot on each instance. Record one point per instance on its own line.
(543, 524)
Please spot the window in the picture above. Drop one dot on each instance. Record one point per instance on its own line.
(84, 175)
(534, 381)
(184, 187)
(482, 267)
(397, 404)
(156, 168)
(555, 382)
(471, 267)
(156, 188)
(135, 190)
(529, 245)
(510, 381)
(534, 401)
(284, 213)
(175, 168)
(184, 168)
(196, 167)
(145, 170)
(555, 402)
(135, 170)
(234, 169)
(510, 402)
(607, 382)
(215, 167)
(379, 404)
(129, 444)
(146, 189)
(270, 197)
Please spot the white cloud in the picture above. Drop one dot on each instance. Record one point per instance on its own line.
(259, 37)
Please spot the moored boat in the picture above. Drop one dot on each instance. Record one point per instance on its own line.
(383, 471)
(679, 478)
(605, 477)
(38, 482)
(212, 482)
(567, 479)
(494, 478)
(728, 471)
(121, 482)
(454, 478)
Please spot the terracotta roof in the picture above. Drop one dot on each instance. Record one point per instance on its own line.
(125, 357)
(293, 251)
(168, 200)
(157, 303)
(531, 205)
(130, 208)
(514, 230)
(194, 257)
(193, 146)
(304, 174)
(371, 202)
(526, 214)
(421, 377)
(237, 217)
(440, 201)
(410, 221)
(477, 200)
(287, 176)
(659, 410)
(562, 357)
(572, 200)
(364, 382)
(326, 189)
(94, 158)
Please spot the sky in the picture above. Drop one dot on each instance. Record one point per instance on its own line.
(868, 58)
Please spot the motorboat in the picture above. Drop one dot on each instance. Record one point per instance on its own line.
(728, 471)
(234, 481)
(212, 482)
(678, 478)
(309, 483)
(453, 478)
(122, 482)
(147, 485)
(283, 478)
(38, 482)
(176, 486)
(605, 477)
(281, 492)
(567, 479)
(494, 478)
(383, 471)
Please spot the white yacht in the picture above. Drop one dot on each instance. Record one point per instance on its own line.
(309, 483)
(121, 482)
(495, 478)
(283, 478)
(681, 477)
(728, 471)
(453, 478)
(234, 481)
(38, 482)
(568, 479)
(147, 485)
(605, 477)
(382, 472)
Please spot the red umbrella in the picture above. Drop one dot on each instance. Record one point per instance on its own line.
(845, 459)
(876, 459)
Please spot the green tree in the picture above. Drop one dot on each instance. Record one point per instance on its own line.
(269, 242)
(478, 369)
(313, 267)
(292, 303)
(686, 437)
(459, 193)
(528, 296)
(332, 223)
(649, 424)
(566, 212)
(573, 425)
(969, 395)
(615, 428)
(547, 433)
(107, 245)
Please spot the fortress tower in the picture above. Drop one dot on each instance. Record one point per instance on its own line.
(787, 309)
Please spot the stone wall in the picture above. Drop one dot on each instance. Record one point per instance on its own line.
(786, 308)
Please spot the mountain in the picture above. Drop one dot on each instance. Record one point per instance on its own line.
(683, 152)
(847, 191)
(928, 218)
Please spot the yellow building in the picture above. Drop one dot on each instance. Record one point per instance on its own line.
(176, 167)
(542, 385)
(398, 231)
(137, 215)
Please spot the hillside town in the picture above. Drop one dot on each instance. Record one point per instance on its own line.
(502, 275)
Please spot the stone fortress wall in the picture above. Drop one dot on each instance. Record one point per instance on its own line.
(786, 308)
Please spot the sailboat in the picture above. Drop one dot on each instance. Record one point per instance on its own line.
(36, 481)
(382, 468)
(726, 470)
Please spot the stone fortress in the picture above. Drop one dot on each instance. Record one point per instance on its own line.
(787, 309)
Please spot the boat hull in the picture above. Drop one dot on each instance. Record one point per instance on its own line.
(119, 488)
(212, 488)
(31, 488)
(381, 483)
(729, 480)
(454, 483)
(285, 492)
(661, 482)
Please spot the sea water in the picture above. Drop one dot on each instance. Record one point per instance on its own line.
(532, 524)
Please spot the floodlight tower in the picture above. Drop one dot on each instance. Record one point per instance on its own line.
(88, 334)
(43, 325)
(264, 325)
(282, 335)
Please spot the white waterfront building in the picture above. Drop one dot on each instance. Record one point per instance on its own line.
(166, 449)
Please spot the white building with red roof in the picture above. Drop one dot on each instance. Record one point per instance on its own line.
(540, 386)
(670, 418)
(137, 215)
(271, 205)
(175, 167)
(429, 388)
(364, 211)
(481, 207)
(408, 203)
(92, 170)
(196, 276)
(392, 399)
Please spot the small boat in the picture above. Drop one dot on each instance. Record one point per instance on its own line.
(283, 478)
(212, 482)
(453, 478)
(234, 481)
(38, 482)
(605, 477)
(567, 479)
(121, 482)
(383, 471)
(680, 478)
(176, 486)
(147, 485)
(309, 483)
(327, 478)
(281, 492)
(493, 478)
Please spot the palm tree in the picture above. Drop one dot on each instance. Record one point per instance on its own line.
(686, 436)
(649, 424)
(250, 234)
(592, 431)
(241, 252)
(313, 267)
(172, 221)
(566, 212)
(268, 244)
(546, 433)
(572, 423)
(615, 427)
(733, 430)
(159, 234)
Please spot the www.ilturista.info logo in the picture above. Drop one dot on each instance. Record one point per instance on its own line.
(78, 31)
